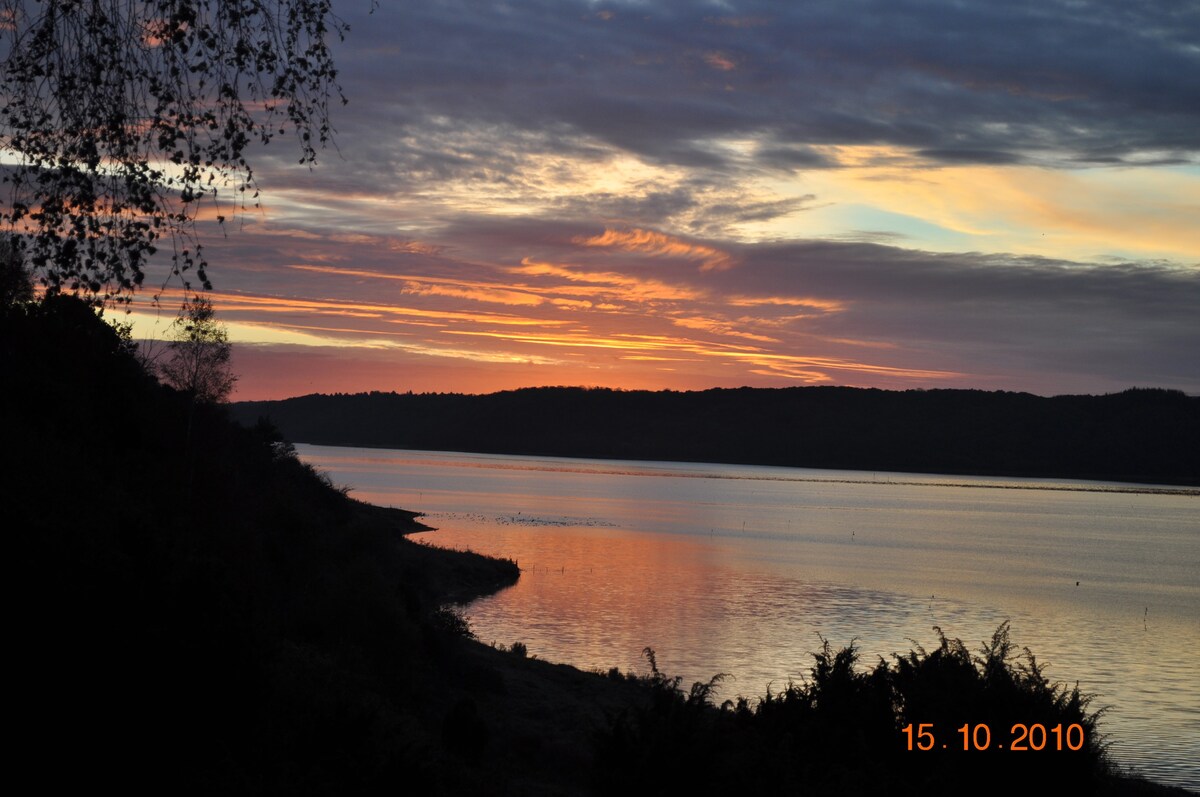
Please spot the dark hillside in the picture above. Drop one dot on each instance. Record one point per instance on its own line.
(1140, 435)
(197, 612)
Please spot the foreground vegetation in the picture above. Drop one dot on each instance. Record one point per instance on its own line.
(893, 729)
(199, 612)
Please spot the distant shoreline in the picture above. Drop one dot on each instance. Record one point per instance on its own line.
(1100, 487)
(1141, 436)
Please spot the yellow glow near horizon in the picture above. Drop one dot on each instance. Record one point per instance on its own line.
(1081, 214)
(148, 325)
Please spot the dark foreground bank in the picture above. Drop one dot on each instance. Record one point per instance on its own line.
(1148, 436)
(193, 610)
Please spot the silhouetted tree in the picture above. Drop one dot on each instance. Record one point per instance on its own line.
(198, 357)
(125, 115)
(16, 284)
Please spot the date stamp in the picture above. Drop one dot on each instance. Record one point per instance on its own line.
(1021, 738)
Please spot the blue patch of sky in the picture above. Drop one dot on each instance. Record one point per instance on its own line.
(847, 219)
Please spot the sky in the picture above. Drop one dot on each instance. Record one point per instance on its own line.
(684, 195)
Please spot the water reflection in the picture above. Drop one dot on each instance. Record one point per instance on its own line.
(744, 570)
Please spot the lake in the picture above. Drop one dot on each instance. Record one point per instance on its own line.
(745, 569)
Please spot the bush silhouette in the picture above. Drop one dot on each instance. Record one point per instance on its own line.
(843, 729)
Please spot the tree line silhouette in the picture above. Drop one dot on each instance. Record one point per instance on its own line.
(1139, 435)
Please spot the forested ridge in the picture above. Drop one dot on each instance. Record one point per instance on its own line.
(1139, 435)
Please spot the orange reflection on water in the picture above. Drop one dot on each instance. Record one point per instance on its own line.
(744, 569)
(582, 593)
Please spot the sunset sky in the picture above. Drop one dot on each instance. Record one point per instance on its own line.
(901, 194)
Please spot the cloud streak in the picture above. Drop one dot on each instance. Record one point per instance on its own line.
(898, 193)
(808, 312)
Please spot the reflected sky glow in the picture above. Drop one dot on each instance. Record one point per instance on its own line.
(742, 569)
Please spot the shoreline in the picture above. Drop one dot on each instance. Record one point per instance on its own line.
(539, 703)
(952, 432)
(1084, 485)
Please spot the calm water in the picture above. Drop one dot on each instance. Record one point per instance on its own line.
(744, 569)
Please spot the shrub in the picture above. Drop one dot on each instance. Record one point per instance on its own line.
(843, 729)
(451, 619)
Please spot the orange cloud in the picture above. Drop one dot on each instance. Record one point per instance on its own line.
(657, 244)
(652, 358)
(568, 340)
(238, 303)
(797, 374)
(437, 286)
(627, 286)
(627, 341)
(492, 295)
(828, 305)
(719, 328)
(662, 348)
(719, 61)
(574, 304)
(798, 366)
(351, 238)
(415, 247)
(352, 331)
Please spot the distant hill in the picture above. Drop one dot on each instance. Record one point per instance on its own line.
(1140, 435)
